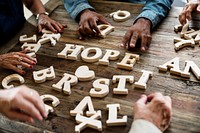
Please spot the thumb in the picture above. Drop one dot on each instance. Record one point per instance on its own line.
(142, 100)
(39, 28)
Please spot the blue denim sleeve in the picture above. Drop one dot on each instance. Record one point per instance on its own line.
(74, 7)
(155, 10)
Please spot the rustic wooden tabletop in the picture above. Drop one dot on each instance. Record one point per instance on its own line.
(185, 93)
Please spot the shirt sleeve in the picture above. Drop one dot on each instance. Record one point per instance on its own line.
(155, 10)
(143, 126)
(74, 7)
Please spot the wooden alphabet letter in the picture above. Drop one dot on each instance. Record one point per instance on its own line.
(55, 102)
(97, 54)
(109, 55)
(10, 78)
(43, 75)
(86, 102)
(65, 83)
(70, 51)
(113, 119)
(122, 83)
(91, 122)
(142, 82)
(173, 65)
(24, 39)
(47, 39)
(121, 16)
(31, 47)
(128, 61)
(101, 88)
(195, 69)
(105, 29)
(55, 36)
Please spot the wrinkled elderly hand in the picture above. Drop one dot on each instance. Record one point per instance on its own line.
(193, 5)
(154, 108)
(22, 103)
(141, 30)
(14, 59)
(88, 23)
(45, 21)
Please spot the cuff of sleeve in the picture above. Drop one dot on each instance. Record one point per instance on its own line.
(79, 9)
(143, 126)
(150, 15)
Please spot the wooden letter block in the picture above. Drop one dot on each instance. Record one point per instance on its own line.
(122, 83)
(65, 83)
(47, 39)
(173, 65)
(178, 28)
(191, 35)
(43, 75)
(55, 36)
(142, 83)
(187, 32)
(177, 39)
(195, 69)
(93, 58)
(10, 78)
(70, 51)
(84, 74)
(24, 39)
(55, 102)
(31, 47)
(109, 55)
(32, 54)
(113, 119)
(101, 88)
(197, 38)
(184, 43)
(128, 61)
(46, 31)
(91, 122)
(105, 29)
(85, 103)
(120, 16)
(185, 28)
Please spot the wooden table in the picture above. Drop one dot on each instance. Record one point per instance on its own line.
(185, 93)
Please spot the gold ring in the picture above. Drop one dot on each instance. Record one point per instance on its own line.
(20, 59)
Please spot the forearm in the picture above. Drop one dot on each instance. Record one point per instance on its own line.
(35, 6)
(155, 10)
(143, 126)
(75, 7)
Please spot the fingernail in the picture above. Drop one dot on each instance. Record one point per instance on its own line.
(30, 66)
(23, 73)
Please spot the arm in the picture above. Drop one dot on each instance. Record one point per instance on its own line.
(36, 7)
(152, 114)
(155, 10)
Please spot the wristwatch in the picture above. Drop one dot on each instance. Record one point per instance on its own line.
(38, 15)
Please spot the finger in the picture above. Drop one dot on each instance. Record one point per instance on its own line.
(169, 101)
(39, 28)
(126, 38)
(93, 25)
(144, 43)
(60, 25)
(27, 107)
(29, 59)
(142, 100)
(49, 26)
(81, 32)
(88, 30)
(182, 19)
(15, 115)
(188, 12)
(154, 95)
(134, 39)
(33, 97)
(18, 70)
(55, 25)
(103, 20)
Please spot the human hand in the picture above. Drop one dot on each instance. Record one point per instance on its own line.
(140, 30)
(12, 60)
(187, 11)
(45, 21)
(88, 23)
(22, 103)
(154, 108)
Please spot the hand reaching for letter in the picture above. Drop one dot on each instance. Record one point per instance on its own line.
(154, 108)
(88, 23)
(22, 103)
(140, 30)
(12, 60)
(187, 10)
(45, 21)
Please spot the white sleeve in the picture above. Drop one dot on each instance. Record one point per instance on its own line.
(143, 126)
